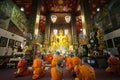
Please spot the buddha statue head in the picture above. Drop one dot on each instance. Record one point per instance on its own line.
(61, 32)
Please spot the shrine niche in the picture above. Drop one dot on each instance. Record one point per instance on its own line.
(60, 40)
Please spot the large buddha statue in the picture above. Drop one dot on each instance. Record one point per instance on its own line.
(60, 40)
(61, 37)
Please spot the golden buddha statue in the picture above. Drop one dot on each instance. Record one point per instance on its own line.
(60, 40)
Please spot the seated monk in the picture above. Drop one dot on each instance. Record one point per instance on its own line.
(57, 72)
(22, 68)
(114, 65)
(55, 59)
(50, 57)
(75, 61)
(38, 72)
(45, 57)
(84, 72)
(68, 62)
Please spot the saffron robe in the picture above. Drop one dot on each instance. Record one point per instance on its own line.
(75, 61)
(45, 57)
(68, 61)
(114, 65)
(22, 68)
(55, 59)
(84, 72)
(49, 58)
(56, 74)
(37, 69)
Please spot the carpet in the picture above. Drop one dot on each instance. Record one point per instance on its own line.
(7, 74)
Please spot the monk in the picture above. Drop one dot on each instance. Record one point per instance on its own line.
(57, 72)
(84, 72)
(38, 72)
(114, 65)
(50, 57)
(45, 57)
(56, 58)
(75, 61)
(22, 67)
(68, 61)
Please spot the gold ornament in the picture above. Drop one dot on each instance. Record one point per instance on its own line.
(100, 38)
(60, 1)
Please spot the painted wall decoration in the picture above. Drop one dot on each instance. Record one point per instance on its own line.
(42, 23)
(11, 42)
(115, 15)
(6, 6)
(116, 41)
(18, 18)
(78, 23)
(106, 24)
(109, 43)
(4, 22)
(3, 41)
(8, 10)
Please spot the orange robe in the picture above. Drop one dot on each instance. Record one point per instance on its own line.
(114, 65)
(45, 57)
(84, 72)
(50, 57)
(37, 69)
(55, 59)
(22, 68)
(56, 74)
(75, 61)
(68, 62)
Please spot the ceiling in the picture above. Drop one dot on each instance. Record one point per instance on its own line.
(60, 6)
(94, 4)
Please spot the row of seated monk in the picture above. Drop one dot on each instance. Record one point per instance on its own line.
(79, 69)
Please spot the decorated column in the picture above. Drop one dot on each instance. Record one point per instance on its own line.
(87, 22)
(47, 30)
(32, 18)
(36, 28)
(74, 34)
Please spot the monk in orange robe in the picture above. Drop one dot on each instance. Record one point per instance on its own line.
(22, 68)
(84, 72)
(49, 57)
(75, 60)
(114, 65)
(57, 72)
(68, 61)
(55, 59)
(45, 57)
(38, 72)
